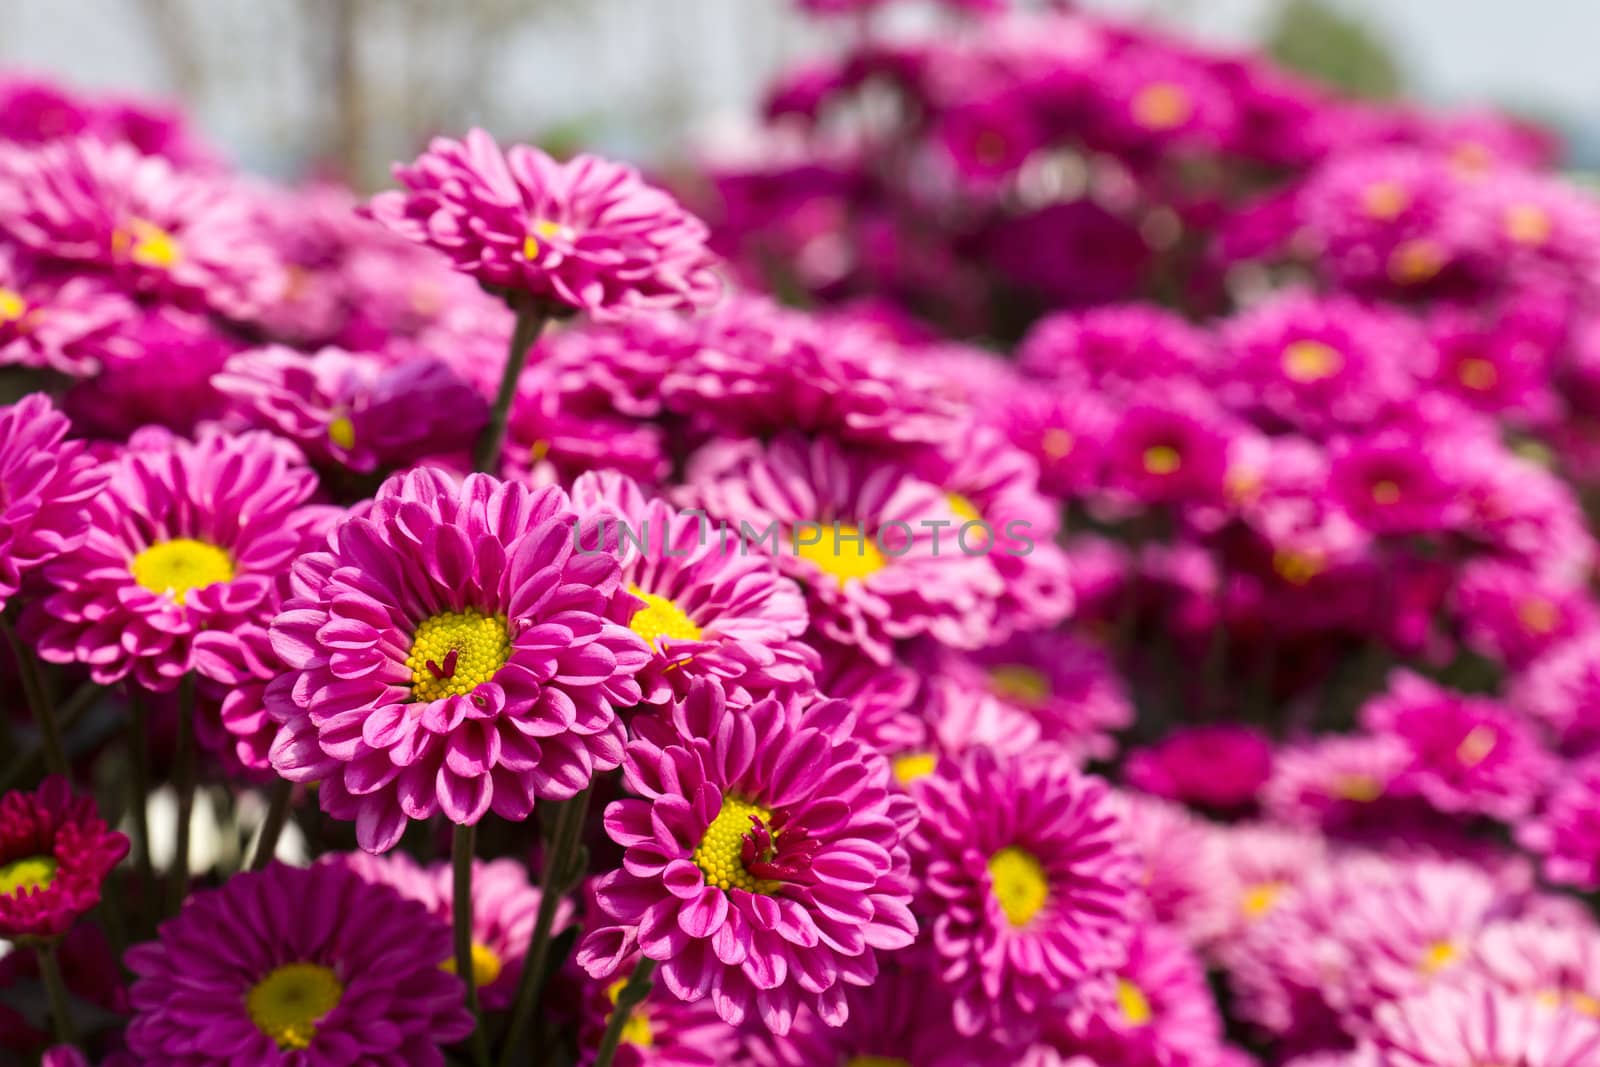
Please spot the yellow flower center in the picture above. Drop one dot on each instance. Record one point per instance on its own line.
(28, 873)
(1260, 898)
(1056, 443)
(1538, 615)
(1437, 956)
(719, 852)
(288, 1003)
(1386, 492)
(454, 652)
(842, 552)
(1476, 746)
(1359, 788)
(342, 432)
(1477, 373)
(176, 567)
(913, 765)
(659, 618)
(1020, 683)
(486, 965)
(1162, 106)
(1385, 200)
(1311, 361)
(1527, 224)
(1134, 1004)
(540, 228)
(636, 1031)
(1018, 882)
(148, 244)
(12, 306)
(1415, 261)
(963, 507)
(1162, 459)
(1297, 568)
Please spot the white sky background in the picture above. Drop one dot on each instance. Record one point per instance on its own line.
(639, 72)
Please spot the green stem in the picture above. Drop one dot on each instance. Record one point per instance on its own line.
(138, 743)
(183, 780)
(530, 323)
(272, 829)
(55, 989)
(55, 754)
(631, 996)
(461, 849)
(563, 867)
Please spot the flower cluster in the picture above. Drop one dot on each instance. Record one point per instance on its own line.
(1139, 614)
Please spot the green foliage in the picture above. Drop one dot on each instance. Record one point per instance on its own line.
(1311, 37)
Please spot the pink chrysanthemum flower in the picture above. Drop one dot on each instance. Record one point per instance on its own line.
(1187, 883)
(1481, 1026)
(186, 544)
(1064, 428)
(63, 324)
(296, 967)
(1029, 881)
(159, 373)
(1161, 454)
(1265, 864)
(504, 909)
(1221, 766)
(451, 652)
(662, 1032)
(1558, 964)
(705, 607)
(47, 479)
(1513, 615)
(196, 240)
(1119, 350)
(354, 410)
(1467, 754)
(55, 852)
(555, 438)
(1394, 486)
(902, 1018)
(764, 867)
(883, 696)
(878, 551)
(1333, 782)
(1566, 832)
(587, 235)
(1561, 691)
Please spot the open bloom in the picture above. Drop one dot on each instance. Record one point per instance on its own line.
(55, 852)
(451, 652)
(882, 554)
(64, 324)
(1566, 832)
(1478, 1024)
(46, 479)
(353, 409)
(196, 240)
(663, 1031)
(185, 547)
(764, 867)
(296, 967)
(705, 606)
(586, 235)
(1029, 882)
(504, 910)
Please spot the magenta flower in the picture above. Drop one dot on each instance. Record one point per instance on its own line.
(1472, 1025)
(55, 853)
(1513, 615)
(1332, 782)
(195, 240)
(47, 480)
(1028, 882)
(1393, 487)
(1555, 962)
(1222, 766)
(1467, 754)
(1122, 350)
(159, 372)
(1163, 455)
(879, 552)
(1566, 832)
(705, 607)
(504, 909)
(63, 324)
(451, 653)
(1188, 885)
(296, 967)
(662, 1032)
(354, 410)
(185, 546)
(1561, 692)
(764, 867)
(586, 235)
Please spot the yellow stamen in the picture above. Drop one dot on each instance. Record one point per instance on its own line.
(1538, 615)
(1020, 683)
(1385, 200)
(454, 652)
(1018, 882)
(1056, 444)
(1162, 106)
(289, 1002)
(1311, 361)
(1359, 788)
(1162, 459)
(1415, 261)
(913, 765)
(1528, 224)
(148, 244)
(1297, 568)
(843, 552)
(1477, 373)
(1134, 1004)
(1261, 898)
(1477, 745)
(963, 507)
(486, 965)
(27, 874)
(177, 567)
(12, 306)
(1437, 956)
(540, 228)
(661, 617)
(719, 852)
(1386, 492)
(342, 432)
